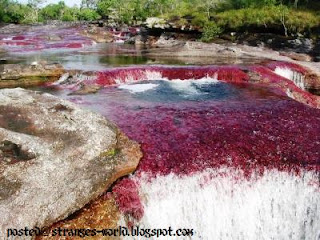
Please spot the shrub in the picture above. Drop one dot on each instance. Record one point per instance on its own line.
(88, 14)
(280, 17)
(210, 31)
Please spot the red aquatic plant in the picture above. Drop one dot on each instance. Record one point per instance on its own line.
(38, 40)
(284, 84)
(294, 67)
(18, 38)
(255, 130)
(122, 75)
(128, 199)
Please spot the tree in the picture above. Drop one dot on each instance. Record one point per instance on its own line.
(88, 14)
(105, 7)
(35, 8)
(53, 11)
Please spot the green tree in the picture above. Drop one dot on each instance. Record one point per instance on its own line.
(88, 14)
(33, 15)
(53, 11)
(105, 7)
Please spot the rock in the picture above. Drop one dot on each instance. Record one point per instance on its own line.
(138, 40)
(98, 34)
(164, 41)
(301, 44)
(100, 214)
(54, 38)
(55, 158)
(23, 75)
(14, 28)
(297, 56)
(87, 89)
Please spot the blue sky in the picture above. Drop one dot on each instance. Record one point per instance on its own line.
(70, 3)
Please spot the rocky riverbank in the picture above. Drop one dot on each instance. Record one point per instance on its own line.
(26, 75)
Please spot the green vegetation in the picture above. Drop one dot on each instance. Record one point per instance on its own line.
(14, 12)
(214, 17)
(210, 31)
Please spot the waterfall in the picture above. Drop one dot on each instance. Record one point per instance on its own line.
(218, 204)
(292, 75)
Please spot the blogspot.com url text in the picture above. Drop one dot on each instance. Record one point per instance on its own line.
(134, 231)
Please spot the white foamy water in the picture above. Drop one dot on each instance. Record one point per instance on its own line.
(189, 87)
(296, 77)
(137, 88)
(147, 75)
(277, 206)
(64, 77)
(184, 86)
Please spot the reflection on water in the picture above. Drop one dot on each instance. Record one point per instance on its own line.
(105, 55)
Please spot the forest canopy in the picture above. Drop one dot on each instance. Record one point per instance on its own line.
(213, 16)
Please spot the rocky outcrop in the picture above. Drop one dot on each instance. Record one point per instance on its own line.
(97, 34)
(86, 89)
(55, 158)
(210, 53)
(24, 75)
(297, 56)
(169, 42)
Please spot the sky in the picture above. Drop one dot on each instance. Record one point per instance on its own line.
(69, 3)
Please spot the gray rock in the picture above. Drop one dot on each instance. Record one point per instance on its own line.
(54, 158)
(165, 41)
(54, 38)
(302, 45)
(23, 75)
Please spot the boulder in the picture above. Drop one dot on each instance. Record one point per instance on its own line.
(55, 158)
(54, 38)
(24, 75)
(97, 34)
(169, 42)
(86, 89)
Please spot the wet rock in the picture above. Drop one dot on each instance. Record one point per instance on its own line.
(23, 75)
(101, 214)
(297, 56)
(60, 158)
(87, 89)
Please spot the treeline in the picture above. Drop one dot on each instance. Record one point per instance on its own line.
(213, 16)
(13, 12)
